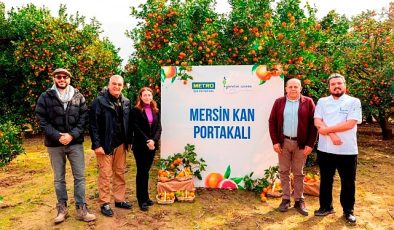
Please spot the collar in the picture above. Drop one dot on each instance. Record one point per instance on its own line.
(341, 98)
(298, 99)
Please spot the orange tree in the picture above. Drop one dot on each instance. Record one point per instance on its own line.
(192, 33)
(369, 55)
(38, 43)
(176, 33)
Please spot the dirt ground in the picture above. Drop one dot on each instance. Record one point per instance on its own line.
(26, 186)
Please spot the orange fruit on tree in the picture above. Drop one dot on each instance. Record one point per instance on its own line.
(213, 180)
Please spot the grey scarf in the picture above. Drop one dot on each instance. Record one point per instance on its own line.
(66, 96)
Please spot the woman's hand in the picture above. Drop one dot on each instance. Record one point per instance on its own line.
(151, 144)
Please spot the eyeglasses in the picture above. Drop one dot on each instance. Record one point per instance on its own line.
(60, 77)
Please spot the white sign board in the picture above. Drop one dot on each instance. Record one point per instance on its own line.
(224, 112)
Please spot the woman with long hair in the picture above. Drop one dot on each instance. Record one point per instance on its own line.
(146, 125)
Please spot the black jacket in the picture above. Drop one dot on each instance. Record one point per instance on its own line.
(142, 130)
(103, 118)
(54, 119)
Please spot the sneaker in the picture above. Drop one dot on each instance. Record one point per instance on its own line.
(106, 210)
(284, 205)
(62, 213)
(83, 213)
(123, 204)
(350, 218)
(300, 207)
(324, 212)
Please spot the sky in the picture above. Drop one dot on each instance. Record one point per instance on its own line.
(114, 15)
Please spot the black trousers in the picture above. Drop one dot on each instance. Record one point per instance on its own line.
(144, 160)
(346, 166)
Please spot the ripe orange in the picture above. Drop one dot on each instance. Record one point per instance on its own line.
(169, 71)
(213, 180)
(262, 73)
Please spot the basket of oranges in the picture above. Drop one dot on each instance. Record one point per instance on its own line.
(312, 184)
(185, 196)
(165, 197)
(165, 175)
(185, 174)
(275, 190)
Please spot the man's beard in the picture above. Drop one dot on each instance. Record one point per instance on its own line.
(61, 87)
(333, 93)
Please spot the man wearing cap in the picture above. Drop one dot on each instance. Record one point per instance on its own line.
(62, 115)
(110, 135)
(293, 136)
(336, 118)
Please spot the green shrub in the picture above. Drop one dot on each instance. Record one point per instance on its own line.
(10, 142)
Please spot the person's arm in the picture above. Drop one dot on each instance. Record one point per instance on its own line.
(311, 141)
(333, 136)
(94, 124)
(156, 136)
(44, 121)
(341, 127)
(318, 121)
(78, 130)
(273, 124)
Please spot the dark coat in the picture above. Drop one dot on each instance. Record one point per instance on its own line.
(54, 119)
(103, 118)
(142, 130)
(306, 130)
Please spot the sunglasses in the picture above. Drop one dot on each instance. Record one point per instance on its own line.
(60, 77)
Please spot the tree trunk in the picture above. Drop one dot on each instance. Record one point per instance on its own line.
(369, 118)
(387, 132)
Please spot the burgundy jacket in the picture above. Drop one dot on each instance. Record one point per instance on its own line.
(306, 130)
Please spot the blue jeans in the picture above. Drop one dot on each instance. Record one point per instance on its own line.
(75, 155)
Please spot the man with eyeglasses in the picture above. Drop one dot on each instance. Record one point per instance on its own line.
(336, 118)
(62, 115)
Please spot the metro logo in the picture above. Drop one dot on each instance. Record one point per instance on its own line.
(203, 85)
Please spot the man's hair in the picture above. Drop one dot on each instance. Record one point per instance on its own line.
(295, 79)
(115, 76)
(336, 75)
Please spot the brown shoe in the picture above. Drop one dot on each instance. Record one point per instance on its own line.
(300, 207)
(62, 213)
(284, 205)
(83, 213)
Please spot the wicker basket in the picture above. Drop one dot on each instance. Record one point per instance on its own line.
(184, 178)
(164, 201)
(186, 199)
(274, 194)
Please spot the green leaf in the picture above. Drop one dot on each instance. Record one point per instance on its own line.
(282, 76)
(254, 67)
(228, 172)
(240, 187)
(237, 180)
(1, 199)
(262, 82)
(173, 79)
(163, 76)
